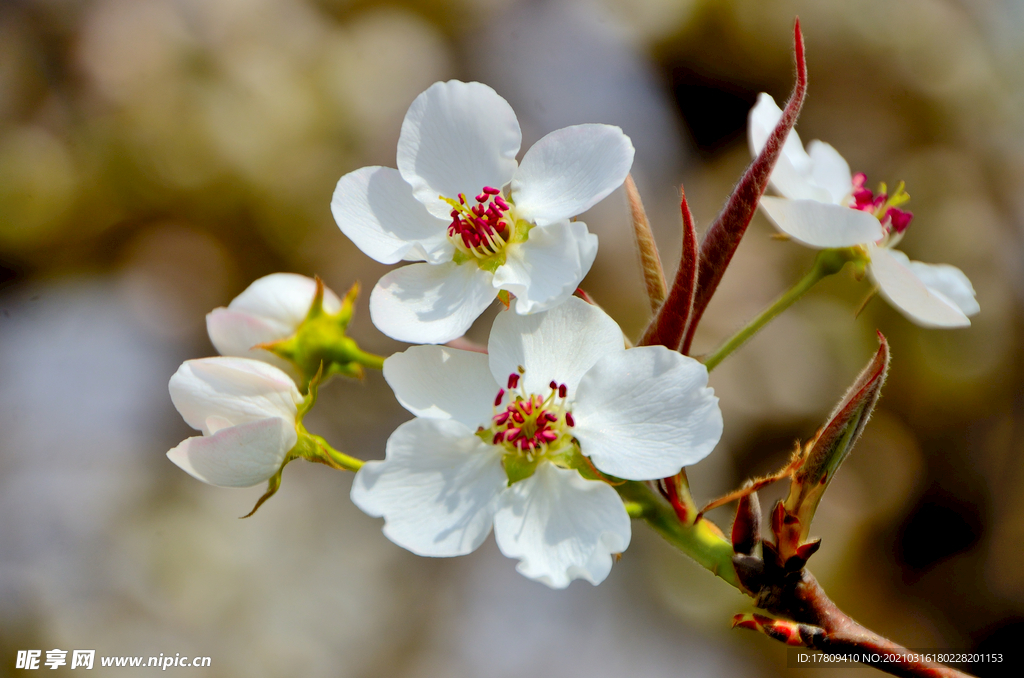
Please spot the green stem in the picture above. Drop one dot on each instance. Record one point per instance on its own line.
(371, 360)
(827, 263)
(702, 540)
(342, 460)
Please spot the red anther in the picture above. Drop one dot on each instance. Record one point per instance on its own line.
(562, 390)
(497, 437)
(482, 197)
(462, 198)
(518, 417)
(490, 190)
(501, 418)
(547, 435)
(551, 417)
(527, 406)
(569, 420)
(513, 380)
(478, 210)
(497, 399)
(455, 215)
(500, 202)
(859, 179)
(900, 218)
(512, 433)
(552, 385)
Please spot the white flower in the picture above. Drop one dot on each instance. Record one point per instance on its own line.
(824, 206)
(247, 412)
(270, 309)
(571, 389)
(481, 222)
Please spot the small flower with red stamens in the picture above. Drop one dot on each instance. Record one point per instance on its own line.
(574, 398)
(482, 223)
(824, 206)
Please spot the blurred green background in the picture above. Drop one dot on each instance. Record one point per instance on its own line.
(156, 156)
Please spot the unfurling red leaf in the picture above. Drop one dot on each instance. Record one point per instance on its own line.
(724, 235)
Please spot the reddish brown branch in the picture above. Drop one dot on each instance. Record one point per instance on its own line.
(821, 625)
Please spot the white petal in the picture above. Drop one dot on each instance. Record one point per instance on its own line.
(645, 413)
(284, 298)
(430, 303)
(946, 281)
(791, 176)
(561, 527)
(375, 208)
(820, 224)
(435, 490)
(908, 293)
(559, 345)
(234, 333)
(233, 390)
(545, 270)
(438, 382)
(238, 456)
(830, 171)
(457, 138)
(569, 171)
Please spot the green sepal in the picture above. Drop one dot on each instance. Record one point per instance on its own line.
(321, 342)
(272, 486)
(519, 467)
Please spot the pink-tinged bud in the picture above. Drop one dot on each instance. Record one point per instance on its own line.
(513, 380)
(497, 399)
(569, 419)
(562, 390)
(900, 218)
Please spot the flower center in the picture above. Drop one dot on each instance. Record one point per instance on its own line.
(885, 208)
(480, 230)
(530, 425)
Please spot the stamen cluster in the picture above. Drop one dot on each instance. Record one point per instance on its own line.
(530, 424)
(881, 205)
(481, 229)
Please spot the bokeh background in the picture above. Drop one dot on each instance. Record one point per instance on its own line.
(156, 156)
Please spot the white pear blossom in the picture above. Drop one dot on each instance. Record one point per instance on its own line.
(498, 438)
(479, 221)
(824, 206)
(270, 309)
(247, 412)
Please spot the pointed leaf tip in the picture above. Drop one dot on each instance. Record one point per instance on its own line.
(669, 324)
(724, 235)
(650, 259)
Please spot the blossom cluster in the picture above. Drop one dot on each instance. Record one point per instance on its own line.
(535, 436)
